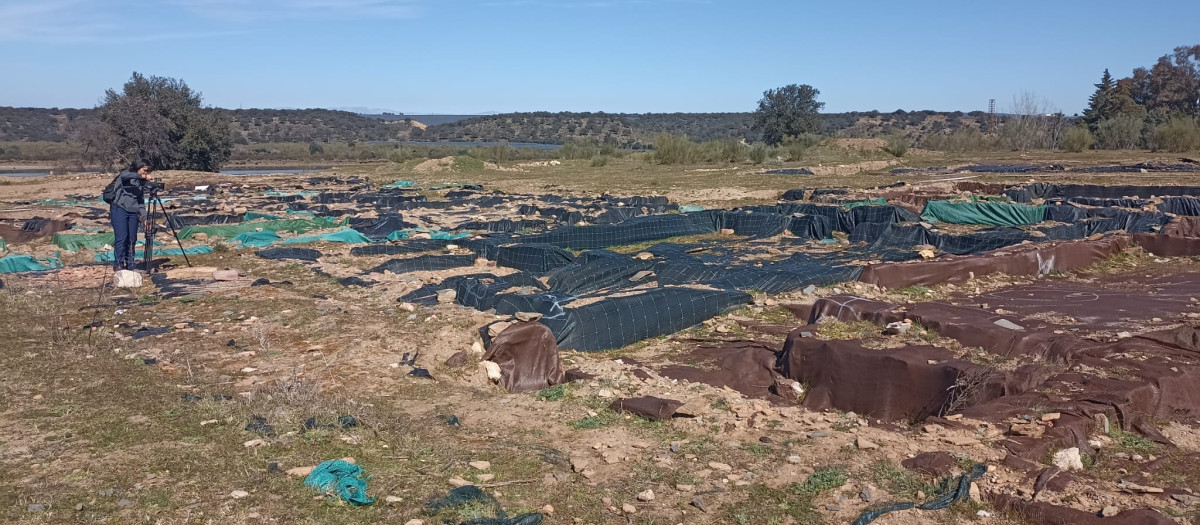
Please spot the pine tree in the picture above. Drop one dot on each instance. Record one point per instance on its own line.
(1099, 104)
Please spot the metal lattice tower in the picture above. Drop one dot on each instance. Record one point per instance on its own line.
(991, 116)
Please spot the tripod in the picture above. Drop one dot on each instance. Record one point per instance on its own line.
(152, 228)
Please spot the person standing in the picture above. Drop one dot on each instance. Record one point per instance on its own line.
(126, 211)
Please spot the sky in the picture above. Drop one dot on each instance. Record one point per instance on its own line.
(617, 56)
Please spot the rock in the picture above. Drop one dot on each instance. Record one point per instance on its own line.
(974, 493)
(393, 499)
(960, 441)
(795, 460)
(493, 370)
(1124, 335)
(1109, 511)
(481, 262)
(1005, 323)
(685, 488)
(628, 509)
(720, 467)
(699, 504)
(127, 279)
(458, 360)
(726, 231)
(527, 317)
(408, 307)
(1030, 429)
(494, 329)
(898, 327)
(226, 275)
(1138, 489)
(1068, 459)
(415, 522)
(446, 295)
(1051, 416)
(457, 481)
(867, 494)
(578, 464)
(640, 276)
(983, 514)
(300, 472)
(1186, 499)
(200, 236)
(809, 290)
(548, 509)
(240, 210)
(833, 508)
(254, 443)
(646, 495)
(484, 478)
(238, 494)
(480, 465)
(644, 256)
(36, 507)
(818, 434)
(863, 444)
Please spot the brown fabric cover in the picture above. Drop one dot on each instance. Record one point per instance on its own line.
(1033, 259)
(649, 407)
(892, 384)
(14, 233)
(1183, 227)
(745, 366)
(1168, 245)
(528, 357)
(1040, 513)
(937, 464)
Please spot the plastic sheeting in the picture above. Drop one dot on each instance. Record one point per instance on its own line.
(231, 230)
(987, 213)
(27, 263)
(255, 239)
(346, 236)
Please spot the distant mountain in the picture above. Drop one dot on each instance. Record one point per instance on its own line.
(367, 111)
(256, 126)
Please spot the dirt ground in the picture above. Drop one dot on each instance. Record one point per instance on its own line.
(123, 406)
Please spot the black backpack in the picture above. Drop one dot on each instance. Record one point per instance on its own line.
(110, 192)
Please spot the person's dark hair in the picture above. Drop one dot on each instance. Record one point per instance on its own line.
(139, 164)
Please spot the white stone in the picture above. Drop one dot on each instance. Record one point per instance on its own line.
(646, 495)
(238, 494)
(1068, 459)
(127, 279)
(492, 368)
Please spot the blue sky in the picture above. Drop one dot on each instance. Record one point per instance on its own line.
(479, 56)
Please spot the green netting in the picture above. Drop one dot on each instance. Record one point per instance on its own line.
(277, 193)
(689, 208)
(401, 184)
(983, 213)
(398, 235)
(74, 242)
(877, 201)
(441, 235)
(255, 239)
(194, 250)
(72, 202)
(990, 198)
(288, 225)
(27, 263)
(3, 245)
(345, 236)
(252, 215)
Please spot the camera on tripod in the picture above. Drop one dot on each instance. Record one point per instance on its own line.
(152, 186)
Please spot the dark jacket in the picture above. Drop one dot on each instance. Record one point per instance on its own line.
(129, 193)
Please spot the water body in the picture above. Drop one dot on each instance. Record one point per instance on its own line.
(23, 173)
(455, 144)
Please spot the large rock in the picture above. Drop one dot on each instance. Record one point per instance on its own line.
(226, 275)
(1068, 459)
(127, 279)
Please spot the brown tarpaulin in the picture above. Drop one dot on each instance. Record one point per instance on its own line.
(1168, 245)
(745, 366)
(1041, 513)
(1034, 259)
(528, 357)
(31, 229)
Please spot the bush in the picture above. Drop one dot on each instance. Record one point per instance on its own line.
(758, 154)
(897, 145)
(1119, 133)
(1178, 135)
(315, 148)
(797, 145)
(732, 150)
(578, 150)
(963, 140)
(674, 149)
(1078, 139)
(599, 160)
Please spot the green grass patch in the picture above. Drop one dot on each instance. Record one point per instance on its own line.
(554, 393)
(601, 419)
(1131, 441)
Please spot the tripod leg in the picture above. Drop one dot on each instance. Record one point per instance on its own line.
(173, 232)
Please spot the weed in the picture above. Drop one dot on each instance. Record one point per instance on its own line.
(601, 419)
(898, 481)
(756, 449)
(1131, 441)
(822, 480)
(553, 393)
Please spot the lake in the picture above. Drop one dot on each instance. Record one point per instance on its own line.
(519, 145)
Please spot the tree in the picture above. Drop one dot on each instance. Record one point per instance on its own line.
(161, 120)
(1100, 103)
(787, 111)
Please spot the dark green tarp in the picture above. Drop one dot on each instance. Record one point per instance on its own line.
(290, 225)
(983, 213)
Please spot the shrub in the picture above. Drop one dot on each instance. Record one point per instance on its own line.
(674, 149)
(1119, 133)
(599, 160)
(897, 145)
(1078, 138)
(315, 148)
(732, 150)
(1178, 135)
(758, 154)
(797, 145)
